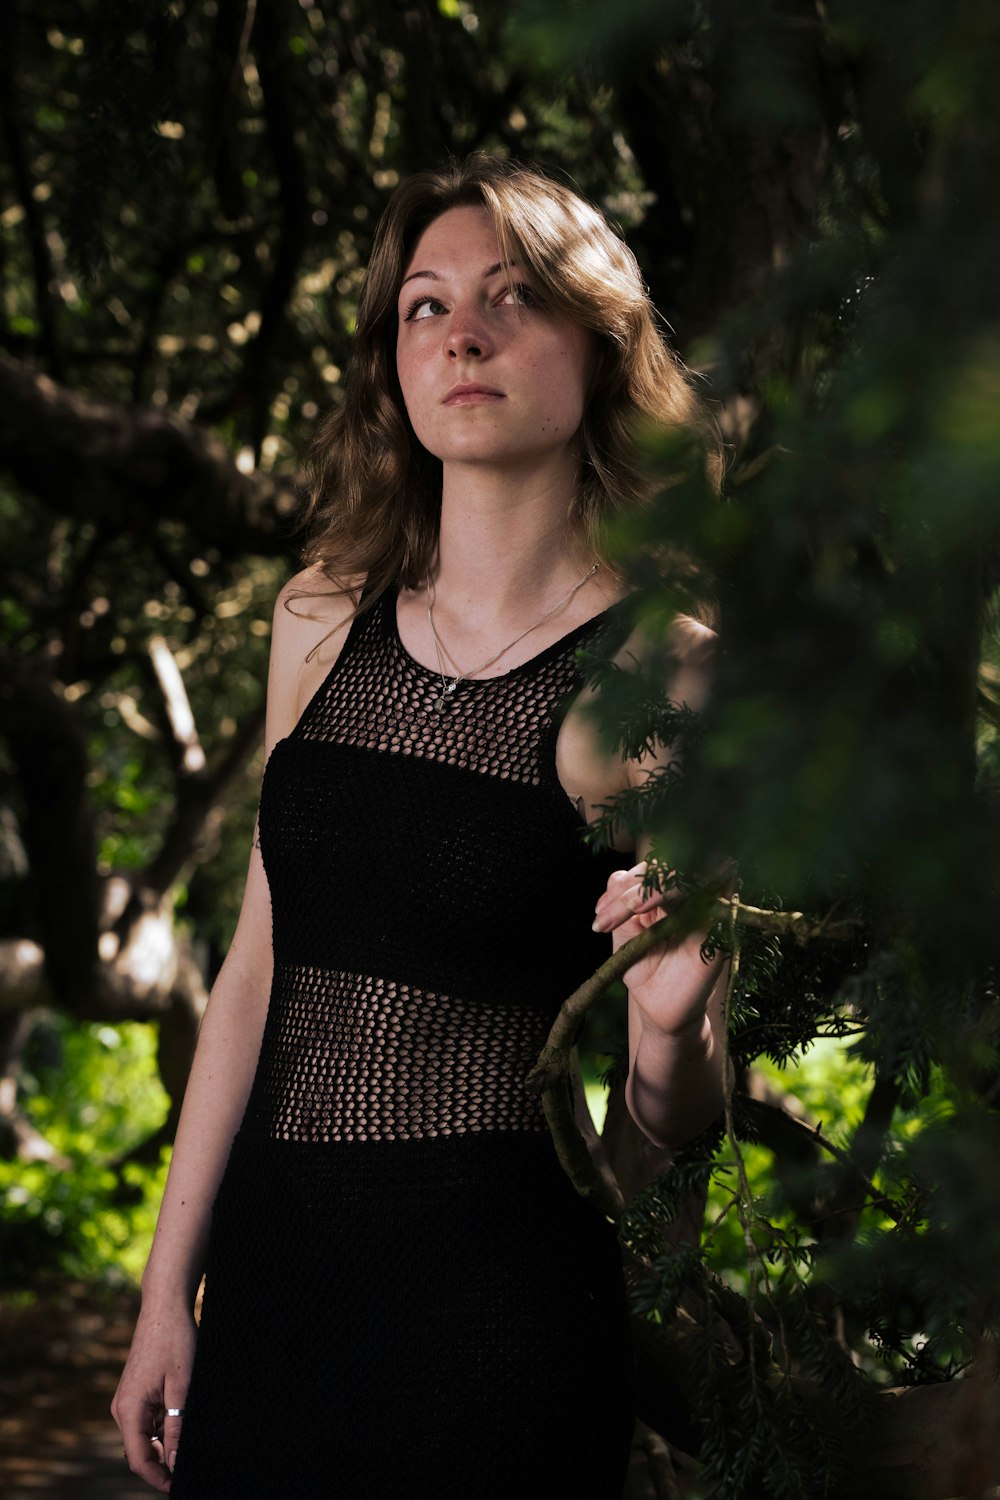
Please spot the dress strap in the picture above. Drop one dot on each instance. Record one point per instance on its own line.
(361, 622)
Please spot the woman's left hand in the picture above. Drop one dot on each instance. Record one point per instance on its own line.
(671, 985)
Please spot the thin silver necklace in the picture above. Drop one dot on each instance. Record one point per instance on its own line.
(448, 686)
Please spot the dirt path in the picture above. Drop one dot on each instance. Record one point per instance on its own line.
(61, 1360)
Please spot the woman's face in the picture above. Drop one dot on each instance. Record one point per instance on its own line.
(487, 377)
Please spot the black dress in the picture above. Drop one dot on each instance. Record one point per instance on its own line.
(404, 1295)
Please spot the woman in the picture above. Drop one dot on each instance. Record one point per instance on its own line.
(403, 1293)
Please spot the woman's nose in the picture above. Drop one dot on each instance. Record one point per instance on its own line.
(466, 337)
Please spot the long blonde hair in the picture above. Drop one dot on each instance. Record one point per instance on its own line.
(374, 493)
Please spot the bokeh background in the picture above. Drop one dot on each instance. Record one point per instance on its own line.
(187, 196)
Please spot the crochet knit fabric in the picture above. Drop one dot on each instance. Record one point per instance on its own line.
(404, 1295)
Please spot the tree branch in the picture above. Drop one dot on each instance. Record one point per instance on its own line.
(138, 980)
(837, 1217)
(47, 747)
(19, 1140)
(199, 793)
(272, 65)
(773, 1122)
(189, 755)
(152, 977)
(105, 461)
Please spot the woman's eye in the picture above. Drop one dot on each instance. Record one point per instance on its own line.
(518, 295)
(424, 307)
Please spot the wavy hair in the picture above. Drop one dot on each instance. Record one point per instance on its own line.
(374, 493)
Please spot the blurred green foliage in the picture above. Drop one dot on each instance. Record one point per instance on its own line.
(94, 1092)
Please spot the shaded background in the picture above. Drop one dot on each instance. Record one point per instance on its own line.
(187, 195)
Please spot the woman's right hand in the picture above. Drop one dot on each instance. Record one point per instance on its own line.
(154, 1380)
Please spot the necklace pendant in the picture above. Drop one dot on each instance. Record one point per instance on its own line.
(441, 702)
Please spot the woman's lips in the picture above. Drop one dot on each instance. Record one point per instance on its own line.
(471, 395)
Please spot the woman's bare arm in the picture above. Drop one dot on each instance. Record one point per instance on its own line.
(156, 1375)
(676, 1082)
(214, 1100)
(155, 1378)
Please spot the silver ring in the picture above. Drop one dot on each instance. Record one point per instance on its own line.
(175, 1411)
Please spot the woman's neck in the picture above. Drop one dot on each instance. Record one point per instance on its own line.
(510, 576)
(505, 544)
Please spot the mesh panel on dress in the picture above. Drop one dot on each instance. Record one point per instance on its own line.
(363, 1059)
(384, 700)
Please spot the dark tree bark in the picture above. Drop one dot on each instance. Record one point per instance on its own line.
(104, 461)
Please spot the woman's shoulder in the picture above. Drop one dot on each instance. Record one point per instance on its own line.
(684, 644)
(323, 592)
(312, 617)
(685, 655)
(692, 642)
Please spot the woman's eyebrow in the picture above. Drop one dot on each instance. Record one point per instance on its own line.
(434, 276)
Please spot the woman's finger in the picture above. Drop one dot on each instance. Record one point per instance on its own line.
(624, 898)
(173, 1421)
(141, 1451)
(612, 912)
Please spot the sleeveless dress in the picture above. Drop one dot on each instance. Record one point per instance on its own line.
(404, 1295)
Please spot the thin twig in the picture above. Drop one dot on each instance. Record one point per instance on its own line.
(574, 1155)
(814, 1133)
(716, 1224)
(804, 929)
